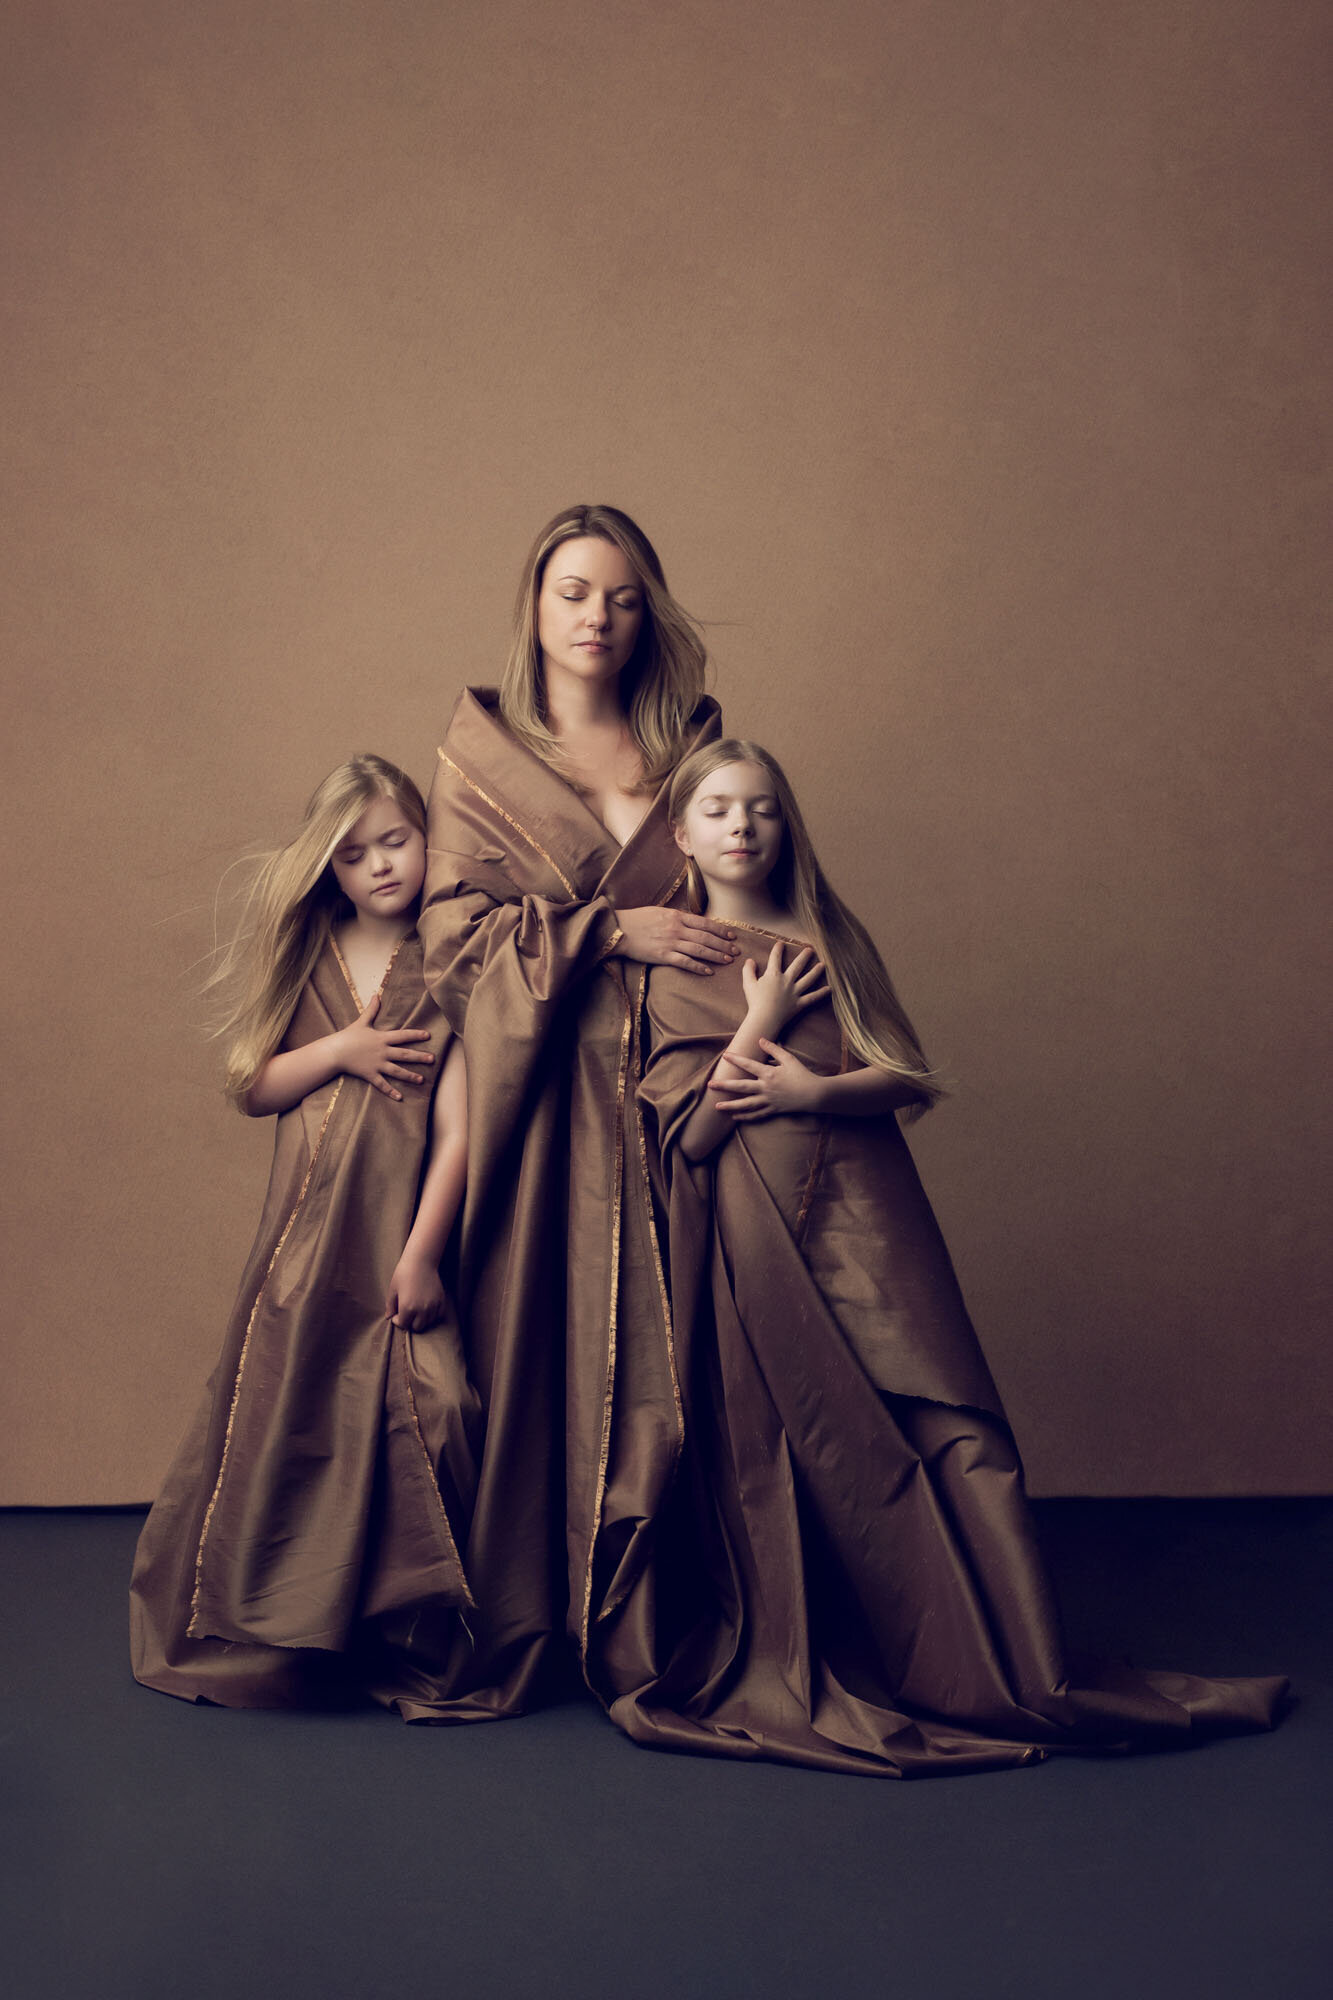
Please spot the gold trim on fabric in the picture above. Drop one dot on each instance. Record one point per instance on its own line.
(783, 937)
(240, 1363)
(521, 831)
(450, 1537)
(611, 947)
(360, 1004)
(604, 1454)
(668, 1325)
(667, 1321)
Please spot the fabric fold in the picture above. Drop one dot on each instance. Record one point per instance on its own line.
(869, 1592)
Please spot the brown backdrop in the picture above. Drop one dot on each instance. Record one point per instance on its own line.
(967, 362)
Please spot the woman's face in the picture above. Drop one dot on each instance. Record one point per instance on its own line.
(380, 864)
(589, 609)
(732, 828)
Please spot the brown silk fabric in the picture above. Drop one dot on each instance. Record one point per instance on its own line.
(561, 1274)
(857, 1585)
(308, 1533)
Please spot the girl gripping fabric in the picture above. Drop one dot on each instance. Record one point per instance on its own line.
(873, 1597)
(308, 1534)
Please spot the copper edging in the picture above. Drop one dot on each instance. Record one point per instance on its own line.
(668, 1325)
(783, 937)
(667, 1321)
(346, 969)
(519, 829)
(240, 1361)
(450, 1537)
(604, 1456)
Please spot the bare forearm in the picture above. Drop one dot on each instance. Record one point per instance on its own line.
(285, 1079)
(707, 1126)
(441, 1195)
(446, 1169)
(864, 1093)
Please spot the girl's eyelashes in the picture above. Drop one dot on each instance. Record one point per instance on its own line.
(351, 855)
(760, 812)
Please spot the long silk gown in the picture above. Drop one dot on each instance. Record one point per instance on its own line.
(306, 1541)
(872, 1598)
(561, 1279)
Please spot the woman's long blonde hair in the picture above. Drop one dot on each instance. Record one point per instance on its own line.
(664, 677)
(288, 912)
(872, 1018)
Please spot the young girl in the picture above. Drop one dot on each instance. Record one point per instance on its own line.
(873, 1598)
(307, 1537)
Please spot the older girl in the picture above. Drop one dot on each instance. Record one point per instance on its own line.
(308, 1533)
(875, 1601)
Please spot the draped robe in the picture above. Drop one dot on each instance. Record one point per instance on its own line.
(561, 1275)
(306, 1539)
(875, 1598)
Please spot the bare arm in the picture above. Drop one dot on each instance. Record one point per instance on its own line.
(774, 998)
(709, 1124)
(416, 1297)
(374, 1054)
(755, 1088)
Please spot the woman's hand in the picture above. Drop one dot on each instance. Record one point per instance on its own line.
(417, 1299)
(654, 936)
(776, 994)
(768, 1089)
(378, 1054)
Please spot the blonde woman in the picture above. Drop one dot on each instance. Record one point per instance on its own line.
(867, 1593)
(309, 1531)
(552, 885)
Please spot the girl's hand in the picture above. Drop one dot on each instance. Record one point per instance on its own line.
(768, 1089)
(776, 994)
(416, 1298)
(378, 1054)
(654, 936)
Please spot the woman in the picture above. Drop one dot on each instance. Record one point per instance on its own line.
(553, 883)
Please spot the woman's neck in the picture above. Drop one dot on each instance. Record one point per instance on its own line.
(575, 707)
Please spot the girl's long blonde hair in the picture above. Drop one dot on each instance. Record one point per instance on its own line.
(288, 912)
(664, 676)
(872, 1018)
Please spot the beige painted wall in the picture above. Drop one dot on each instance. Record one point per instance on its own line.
(968, 363)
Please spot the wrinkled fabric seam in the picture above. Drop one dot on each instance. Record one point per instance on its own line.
(430, 1472)
(821, 1152)
(241, 1359)
(604, 1455)
(668, 1326)
(517, 825)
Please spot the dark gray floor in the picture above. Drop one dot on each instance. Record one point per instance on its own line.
(157, 1850)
